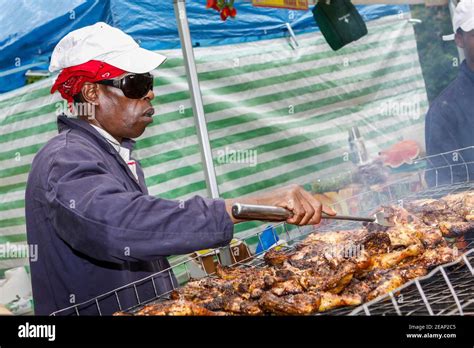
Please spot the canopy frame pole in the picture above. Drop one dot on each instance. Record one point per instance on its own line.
(196, 97)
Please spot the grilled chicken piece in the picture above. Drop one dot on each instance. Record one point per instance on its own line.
(433, 211)
(203, 291)
(378, 282)
(275, 257)
(362, 262)
(462, 243)
(357, 287)
(456, 228)
(389, 282)
(235, 304)
(431, 237)
(332, 301)
(329, 278)
(230, 273)
(429, 210)
(217, 295)
(411, 229)
(406, 230)
(453, 214)
(335, 237)
(412, 271)
(383, 281)
(404, 236)
(322, 267)
(451, 208)
(292, 286)
(307, 303)
(342, 244)
(299, 304)
(341, 282)
(411, 235)
(462, 204)
(376, 243)
(435, 257)
(390, 260)
(251, 282)
(175, 308)
(304, 256)
(311, 268)
(399, 216)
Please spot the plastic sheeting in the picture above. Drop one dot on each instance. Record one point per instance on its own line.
(275, 116)
(29, 30)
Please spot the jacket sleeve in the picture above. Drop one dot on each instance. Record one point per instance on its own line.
(440, 138)
(439, 132)
(93, 212)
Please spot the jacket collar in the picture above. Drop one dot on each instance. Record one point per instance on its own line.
(65, 123)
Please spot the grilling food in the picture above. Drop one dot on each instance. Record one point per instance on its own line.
(452, 214)
(332, 269)
(298, 304)
(175, 308)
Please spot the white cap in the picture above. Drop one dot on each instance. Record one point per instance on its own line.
(464, 16)
(106, 44)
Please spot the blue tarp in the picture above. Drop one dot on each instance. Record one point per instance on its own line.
(29, 30)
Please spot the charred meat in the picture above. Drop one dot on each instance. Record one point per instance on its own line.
(333, 269)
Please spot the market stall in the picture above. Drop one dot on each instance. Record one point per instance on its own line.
(257, 114)
(420, 265)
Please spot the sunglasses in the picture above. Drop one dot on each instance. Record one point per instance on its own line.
(133, 86)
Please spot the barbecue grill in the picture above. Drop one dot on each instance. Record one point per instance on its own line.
(446, 290)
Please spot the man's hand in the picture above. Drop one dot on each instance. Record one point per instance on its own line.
(305, 208)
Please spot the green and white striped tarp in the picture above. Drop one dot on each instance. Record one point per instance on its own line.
(293, 107)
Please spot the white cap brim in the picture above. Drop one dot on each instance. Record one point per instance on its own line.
(137, 60)
(468, 25)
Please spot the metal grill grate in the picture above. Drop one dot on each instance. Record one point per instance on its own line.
(447, 290)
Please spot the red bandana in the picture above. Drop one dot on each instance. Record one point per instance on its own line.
(70, 80)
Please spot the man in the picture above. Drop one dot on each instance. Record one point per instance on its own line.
(450, 120)
(87, 206)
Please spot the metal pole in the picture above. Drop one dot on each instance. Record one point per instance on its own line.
(196, 97)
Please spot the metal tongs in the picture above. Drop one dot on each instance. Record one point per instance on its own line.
(271, 213)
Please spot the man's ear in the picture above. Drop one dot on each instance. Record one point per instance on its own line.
(459, 39)
(90, 93)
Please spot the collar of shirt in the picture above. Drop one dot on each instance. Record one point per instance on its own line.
(122, 151)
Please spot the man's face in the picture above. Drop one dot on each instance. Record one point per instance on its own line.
(123, 117)
(465, 40)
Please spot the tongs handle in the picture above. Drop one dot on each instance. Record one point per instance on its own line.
(259, 212)
(271, 213)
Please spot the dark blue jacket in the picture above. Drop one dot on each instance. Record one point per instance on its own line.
(450, 126)
(97, 228)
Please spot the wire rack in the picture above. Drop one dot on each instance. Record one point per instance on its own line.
(446, 290)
